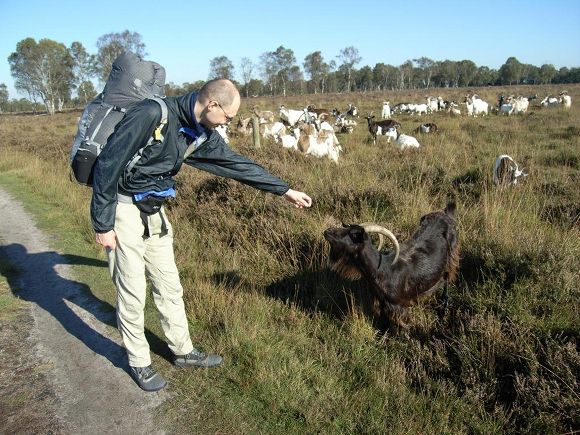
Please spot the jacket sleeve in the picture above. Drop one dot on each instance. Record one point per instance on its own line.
(131, 134)
(216, 157)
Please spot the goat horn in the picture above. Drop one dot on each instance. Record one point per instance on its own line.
(382, 231)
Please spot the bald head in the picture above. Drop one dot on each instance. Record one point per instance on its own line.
(218, 101)
(220, 90)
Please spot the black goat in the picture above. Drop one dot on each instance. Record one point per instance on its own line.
(418, 267)
(380, 127)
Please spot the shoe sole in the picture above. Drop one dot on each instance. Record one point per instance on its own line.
(185, 366)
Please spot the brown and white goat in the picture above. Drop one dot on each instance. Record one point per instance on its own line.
(426, 128)
(264, 116)
(418, 267)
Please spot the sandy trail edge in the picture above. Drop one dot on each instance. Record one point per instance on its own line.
(72, 333)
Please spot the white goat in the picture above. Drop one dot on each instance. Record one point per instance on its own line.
(291, 116)
(434, 104)
(521, 104)
(386, 113)
(566, 101)
(273, 130)
(506, 170)
(321, 144)
(420, 109)
(343, 125)
(453, 108)
(549, 101)
(222, 129)
(290, 141)
(476, 106)
(405, 141)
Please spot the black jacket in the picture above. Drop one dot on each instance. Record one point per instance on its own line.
(162, 160)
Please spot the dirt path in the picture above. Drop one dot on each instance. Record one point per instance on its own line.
(70, 337)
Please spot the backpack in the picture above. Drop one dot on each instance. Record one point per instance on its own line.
(131, 80)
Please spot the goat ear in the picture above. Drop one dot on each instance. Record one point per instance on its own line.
(345, 225)
(357, 234)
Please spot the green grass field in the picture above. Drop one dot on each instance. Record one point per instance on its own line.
(300, 356)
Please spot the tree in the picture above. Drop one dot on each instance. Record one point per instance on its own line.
(3, 97)
(295, 80)
(406, 73)
(364, 79)
(83, 70)
(349, 57)
(511, 71)
(485, 76)
(112, 45)
(86, 91)
(530, 74)
(269, 70)
(247, 70)
(43, 70)
(466, 70)
(221, 68)
(385, 76)
(285, 61)
(427, 68)
(448, 74)
(547, 73)
(317, 69)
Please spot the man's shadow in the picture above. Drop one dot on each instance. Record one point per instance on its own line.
(34, 278)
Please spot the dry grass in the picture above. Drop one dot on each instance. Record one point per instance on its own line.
(300, 356)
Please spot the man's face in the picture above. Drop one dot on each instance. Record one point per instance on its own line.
(216, 113)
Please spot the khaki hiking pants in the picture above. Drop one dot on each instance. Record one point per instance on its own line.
(145, 248)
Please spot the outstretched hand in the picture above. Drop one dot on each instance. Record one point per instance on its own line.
(299, 199)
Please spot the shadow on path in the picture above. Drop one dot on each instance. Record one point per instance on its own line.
(36, 278)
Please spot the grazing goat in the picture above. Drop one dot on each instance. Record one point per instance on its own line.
(506, 171)
(380, 127)
(418, 267)
(264, 116)
(273, 130)
(419, 109)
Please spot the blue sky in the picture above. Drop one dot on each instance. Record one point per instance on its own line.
(184, 36)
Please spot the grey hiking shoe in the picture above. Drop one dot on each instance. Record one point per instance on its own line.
(195, 358)
(147, 378)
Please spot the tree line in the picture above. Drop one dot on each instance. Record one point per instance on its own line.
(54, 76)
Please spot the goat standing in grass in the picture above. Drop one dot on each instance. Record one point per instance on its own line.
(418, 267)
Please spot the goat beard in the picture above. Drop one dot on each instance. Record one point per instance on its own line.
(346, 269)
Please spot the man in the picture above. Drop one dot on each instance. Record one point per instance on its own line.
(130, 222)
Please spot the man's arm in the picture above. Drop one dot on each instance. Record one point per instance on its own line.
(130, 135)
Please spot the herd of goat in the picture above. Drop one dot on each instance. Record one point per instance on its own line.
(429, 259)
(313, 131)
